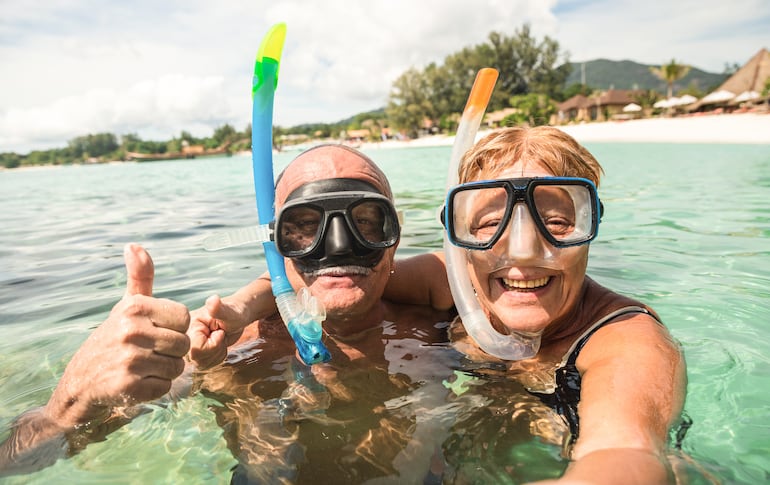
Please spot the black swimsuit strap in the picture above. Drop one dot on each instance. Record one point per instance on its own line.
(608, 319)
(566, 394)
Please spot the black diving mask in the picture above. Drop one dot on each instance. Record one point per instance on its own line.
(336, 222)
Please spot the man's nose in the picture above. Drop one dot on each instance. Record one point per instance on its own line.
(338, 237)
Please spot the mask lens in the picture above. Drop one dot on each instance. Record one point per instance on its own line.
(478, 214)
(374, 222)
(298, 229)
(565, 211)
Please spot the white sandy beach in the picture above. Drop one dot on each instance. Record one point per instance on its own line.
(751, 128)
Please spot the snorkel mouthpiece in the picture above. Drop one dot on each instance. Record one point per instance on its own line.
(302, 314)
(517, 345)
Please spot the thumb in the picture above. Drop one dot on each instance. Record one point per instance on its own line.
(213, 304)
(140, 271)
(229, 317)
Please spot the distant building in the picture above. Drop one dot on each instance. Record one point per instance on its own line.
(601, 107)
(751, 77)
(357, 136)
(574, 109)
(190, 151)
(745, 87)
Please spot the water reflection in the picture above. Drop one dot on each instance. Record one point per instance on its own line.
(369, 413)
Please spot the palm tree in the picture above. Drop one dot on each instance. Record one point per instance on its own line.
(670, 73)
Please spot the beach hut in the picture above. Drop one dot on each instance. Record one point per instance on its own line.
(751, 77)
(599, 107)
(574, 109)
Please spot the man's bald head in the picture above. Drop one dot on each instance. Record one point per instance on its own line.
(326, 162)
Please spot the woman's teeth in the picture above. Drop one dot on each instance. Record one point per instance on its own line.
(525, 284)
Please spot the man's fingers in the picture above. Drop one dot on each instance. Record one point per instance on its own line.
(160, 312)
(140, 270)
(171, 343)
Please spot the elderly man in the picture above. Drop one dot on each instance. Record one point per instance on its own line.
(338, 229)
(344, 270)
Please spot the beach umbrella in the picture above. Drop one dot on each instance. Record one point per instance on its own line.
(632, 107)
(746, 96)
(717, 97)
(668, 103)
(686, 99)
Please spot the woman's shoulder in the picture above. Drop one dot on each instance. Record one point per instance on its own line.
(631, 338)
(623, 328)
(600, 302)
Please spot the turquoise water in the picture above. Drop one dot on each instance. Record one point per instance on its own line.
(686, 229)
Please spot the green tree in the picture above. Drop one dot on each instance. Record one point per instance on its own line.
(670, 73)
(97, 145)
(575, 89)
(693, 90)
(532, 109)
(646, 99)
(10, 160)
(130, 142)
(528, 65)
(409, 104)
(524, 65)
(225, 134)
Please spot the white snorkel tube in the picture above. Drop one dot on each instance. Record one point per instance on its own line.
(516, 345)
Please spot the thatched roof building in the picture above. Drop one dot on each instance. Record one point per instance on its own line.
(746, 84)
(751, 77)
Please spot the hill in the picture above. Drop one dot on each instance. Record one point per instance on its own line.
(606, 74)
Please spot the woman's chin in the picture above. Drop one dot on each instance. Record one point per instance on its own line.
(520, 318)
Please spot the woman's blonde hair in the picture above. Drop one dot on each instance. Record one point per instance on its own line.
(561, 154)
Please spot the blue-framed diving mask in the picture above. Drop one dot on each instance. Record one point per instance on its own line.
(565, 210)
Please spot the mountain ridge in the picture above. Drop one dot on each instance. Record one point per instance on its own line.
(628, 74)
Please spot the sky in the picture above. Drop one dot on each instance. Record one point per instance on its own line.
(156, 67)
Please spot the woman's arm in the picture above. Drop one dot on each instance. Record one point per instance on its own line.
(632, 392)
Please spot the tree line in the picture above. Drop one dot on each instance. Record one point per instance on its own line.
(532, 76)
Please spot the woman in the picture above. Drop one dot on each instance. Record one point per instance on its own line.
(526, 211)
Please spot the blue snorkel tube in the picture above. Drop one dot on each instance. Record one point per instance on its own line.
(302, 315)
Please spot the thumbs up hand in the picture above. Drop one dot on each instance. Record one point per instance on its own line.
(132, 357)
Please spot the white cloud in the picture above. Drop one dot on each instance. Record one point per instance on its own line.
(155, 68)
(157, 108)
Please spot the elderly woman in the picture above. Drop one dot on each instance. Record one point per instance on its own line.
(525, 212)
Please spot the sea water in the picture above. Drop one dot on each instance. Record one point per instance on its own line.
(686, 229)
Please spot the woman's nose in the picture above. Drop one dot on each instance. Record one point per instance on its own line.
(524, 240)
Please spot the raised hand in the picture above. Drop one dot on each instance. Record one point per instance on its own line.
(213, 328)
(132, 357)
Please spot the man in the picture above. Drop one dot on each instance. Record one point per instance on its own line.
(269, 397)
(336, 221)
(347, 278)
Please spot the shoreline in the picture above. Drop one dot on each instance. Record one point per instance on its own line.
(744, 128)
(739, 129)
